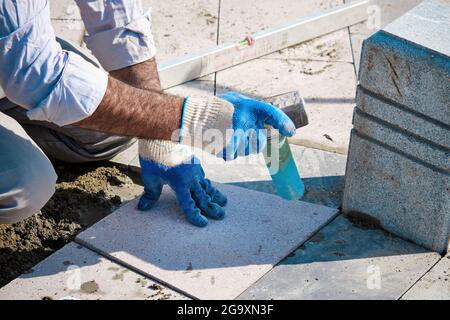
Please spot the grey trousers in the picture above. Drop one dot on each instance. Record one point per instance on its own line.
(27, 177)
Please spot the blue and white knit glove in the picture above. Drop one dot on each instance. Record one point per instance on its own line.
(165, 162)
(239, 119)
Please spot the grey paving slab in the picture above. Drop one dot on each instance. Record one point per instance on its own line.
(433, 18)
(405, 195)
(345, 261)
(238, 18)
(411, 75)
(194, 88)
(403, 118)
(402, 141)
(331, 47)
(327, 87)
(181, 27)
(184, 27)
(216, 262)
(75, 272)
(387, 11)
(435, 285)
(241, 18)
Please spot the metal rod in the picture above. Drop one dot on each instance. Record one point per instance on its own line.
(207, 61)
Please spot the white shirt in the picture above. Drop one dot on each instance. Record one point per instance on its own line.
(60, 86)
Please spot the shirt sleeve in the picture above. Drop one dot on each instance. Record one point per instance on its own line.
(119, 32)
(54, 85)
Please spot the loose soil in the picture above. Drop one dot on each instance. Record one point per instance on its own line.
(85, 193)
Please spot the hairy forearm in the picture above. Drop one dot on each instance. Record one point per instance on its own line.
(143, 75)
(129, 111)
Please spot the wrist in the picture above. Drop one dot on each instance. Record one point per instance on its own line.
(164, 152)
(200, 114)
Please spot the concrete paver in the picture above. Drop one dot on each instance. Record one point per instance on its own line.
(215, 262)
(406, 67)
(435, 285)
(382, 13)
(331, 47)
(75, 272)
(238, 18)
(190, 27)
(182, 27)
(346, 261)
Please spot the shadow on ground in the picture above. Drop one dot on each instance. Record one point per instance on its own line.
(326, 191)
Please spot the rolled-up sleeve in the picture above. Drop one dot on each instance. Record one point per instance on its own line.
(119, 32)
(53, 84)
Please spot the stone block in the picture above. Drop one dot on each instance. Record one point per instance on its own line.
(415, 77)
(402, 141)
(406, 196)
(403, 118)
(398, 169)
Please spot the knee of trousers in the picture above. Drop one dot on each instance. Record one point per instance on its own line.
(29, 189)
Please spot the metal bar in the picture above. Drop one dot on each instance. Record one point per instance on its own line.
(207, 61)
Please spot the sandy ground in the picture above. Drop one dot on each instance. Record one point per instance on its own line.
(85, 193)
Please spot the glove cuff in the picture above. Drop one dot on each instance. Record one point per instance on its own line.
(203, 113)
(164, 152)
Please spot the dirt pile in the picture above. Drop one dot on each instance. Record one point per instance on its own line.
(84, 194)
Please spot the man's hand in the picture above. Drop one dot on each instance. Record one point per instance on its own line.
(165, 162)
(249, 118)
(238, 119)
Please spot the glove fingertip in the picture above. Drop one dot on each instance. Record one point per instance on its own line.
(145, 204)
(288, 128)
(217, 212)
(198, 220)
(220, 199)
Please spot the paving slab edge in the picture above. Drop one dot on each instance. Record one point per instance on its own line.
(311, 235)
(130, 267)
(422, 276)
